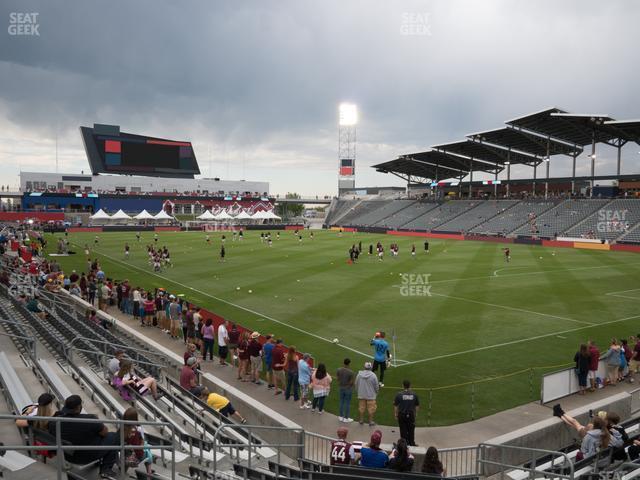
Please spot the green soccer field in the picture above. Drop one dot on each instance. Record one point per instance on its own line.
(474, 340)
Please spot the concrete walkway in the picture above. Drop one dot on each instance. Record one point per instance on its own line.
(464, 434)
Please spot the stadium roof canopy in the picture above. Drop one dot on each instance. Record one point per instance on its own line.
(430, 164)
(526, 142)
(628, 130)
(488, 158)
(578, 129)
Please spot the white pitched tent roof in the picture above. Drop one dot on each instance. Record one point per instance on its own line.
(223, 215)
(100, 215)
(207, 215)
(143, 215)
(259, 215)
(243, 215)
(120, 215)
(162, 215)
(270, 214)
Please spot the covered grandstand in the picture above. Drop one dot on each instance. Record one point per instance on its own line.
(529, 140)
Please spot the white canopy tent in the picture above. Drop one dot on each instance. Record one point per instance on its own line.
(144, 215)
(163, 216)
(120, 215)
(243, 215)
(100, 215)
(207, 215)
(223, 215)
(259, 215)
(270, 215)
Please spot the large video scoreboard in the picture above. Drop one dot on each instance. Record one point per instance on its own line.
(111, 151)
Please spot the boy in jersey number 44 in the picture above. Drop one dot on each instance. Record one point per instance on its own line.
(381, 355)
(342, 452)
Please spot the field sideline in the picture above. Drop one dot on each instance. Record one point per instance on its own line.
(482, 317)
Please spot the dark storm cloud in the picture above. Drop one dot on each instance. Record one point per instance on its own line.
(259, 81)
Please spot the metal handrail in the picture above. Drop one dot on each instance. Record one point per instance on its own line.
(32, 340)
(60, 448)
(250, 444)
(536, 453)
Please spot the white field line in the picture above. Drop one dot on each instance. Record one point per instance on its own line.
(515, 309)
(431, 282)
(541, 272)
(522, 340)
(618, 294)
(367, 355)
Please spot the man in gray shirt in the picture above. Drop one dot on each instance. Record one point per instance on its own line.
(367, 389)
(346, 379)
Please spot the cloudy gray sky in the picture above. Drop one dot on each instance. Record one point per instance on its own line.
(255, 85)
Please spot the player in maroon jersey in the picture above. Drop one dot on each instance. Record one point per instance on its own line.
(342, 452)
(507, 254)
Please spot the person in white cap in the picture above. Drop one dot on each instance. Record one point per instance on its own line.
(367, 388)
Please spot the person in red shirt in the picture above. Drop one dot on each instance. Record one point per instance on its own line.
(342, 452)
(277, 364)
(594, 355)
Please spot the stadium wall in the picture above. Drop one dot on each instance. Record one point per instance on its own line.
(406, 233)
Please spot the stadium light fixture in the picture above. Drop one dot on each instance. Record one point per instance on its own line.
(348, 114)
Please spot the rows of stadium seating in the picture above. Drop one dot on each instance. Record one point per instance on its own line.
(507, 221)
(593, 218)
(194, 423)
(388, 209)
(562, 217)
(476, 216)
(609, 222)
(404, 215)
(363, 209)
(443, 213)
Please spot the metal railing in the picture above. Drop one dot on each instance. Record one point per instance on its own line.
(60, 448)
(250, 445)
(460, 460)
(497, 459)
(29, 341)
(317, 448)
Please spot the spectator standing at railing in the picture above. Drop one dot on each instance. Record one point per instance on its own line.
(208, 332)
(267, 349)
(234, 341)
(320, 384)
(277, 364)
(612, 358)
(594, 360)
(304, 379)
(243, 357)
(367, 387)
(137, 298)
(291, 370)
(223, 340)
(582, 360)
(255, 357)
(346, 379)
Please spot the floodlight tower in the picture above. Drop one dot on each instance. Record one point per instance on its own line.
(347, 120)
